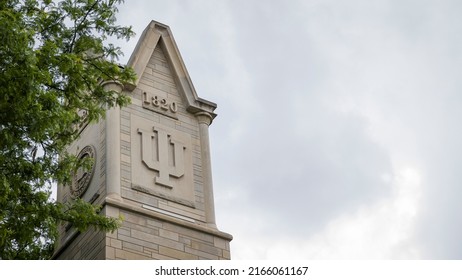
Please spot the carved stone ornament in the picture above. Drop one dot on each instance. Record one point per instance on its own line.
(82, 177)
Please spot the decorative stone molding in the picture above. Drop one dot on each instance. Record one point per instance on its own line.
(160, 34)
(204, 118)
(82, 177)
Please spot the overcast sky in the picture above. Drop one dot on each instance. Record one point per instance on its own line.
(339, 131)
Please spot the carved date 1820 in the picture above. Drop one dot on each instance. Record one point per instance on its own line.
(159, 104)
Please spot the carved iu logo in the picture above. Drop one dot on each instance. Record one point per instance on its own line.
(168, 158)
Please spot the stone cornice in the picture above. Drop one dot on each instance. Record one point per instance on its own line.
(120, 204)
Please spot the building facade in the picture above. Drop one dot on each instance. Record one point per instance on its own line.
(152, 166)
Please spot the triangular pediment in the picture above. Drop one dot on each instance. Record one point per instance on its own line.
(155, 45)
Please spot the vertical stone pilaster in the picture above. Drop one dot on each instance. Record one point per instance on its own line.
(205, 119)
(113, 145)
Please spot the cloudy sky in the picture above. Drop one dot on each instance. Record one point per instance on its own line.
(338, 133)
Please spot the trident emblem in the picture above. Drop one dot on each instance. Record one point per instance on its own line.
(168, 159)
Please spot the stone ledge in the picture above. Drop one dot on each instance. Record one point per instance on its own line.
(125, 206)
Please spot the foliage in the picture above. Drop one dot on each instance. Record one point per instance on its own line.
(53, 57)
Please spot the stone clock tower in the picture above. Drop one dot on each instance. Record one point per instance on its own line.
(151, 166)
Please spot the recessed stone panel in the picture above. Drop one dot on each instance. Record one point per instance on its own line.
(162, 161)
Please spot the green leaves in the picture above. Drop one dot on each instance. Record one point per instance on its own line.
(81, 215)
(53, 58)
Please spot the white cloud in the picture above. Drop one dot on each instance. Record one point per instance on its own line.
(382, 230)
(338, 133)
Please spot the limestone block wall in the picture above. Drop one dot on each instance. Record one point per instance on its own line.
(90, 244)
(147, 236)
